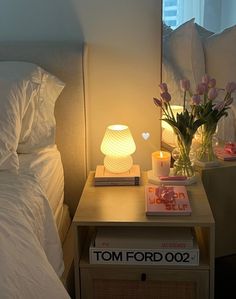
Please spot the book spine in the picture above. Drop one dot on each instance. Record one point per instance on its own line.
(117, 183)
(105, 243)
(119, 179)
(118, 256)
(169, 213)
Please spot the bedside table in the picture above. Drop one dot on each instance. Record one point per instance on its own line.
(219, 185)
(124, 206)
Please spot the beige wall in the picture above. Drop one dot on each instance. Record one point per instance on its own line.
(123, 71)
(124, 58)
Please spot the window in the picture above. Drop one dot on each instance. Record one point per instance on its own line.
(171, 13)
(170, 2)
(176, 12)
(170, 10)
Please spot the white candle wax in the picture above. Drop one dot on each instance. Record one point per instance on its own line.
(161, 163)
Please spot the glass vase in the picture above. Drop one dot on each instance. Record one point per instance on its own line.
(183, 165)
(206, 151)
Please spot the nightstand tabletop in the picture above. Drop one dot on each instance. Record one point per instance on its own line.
(125, 205)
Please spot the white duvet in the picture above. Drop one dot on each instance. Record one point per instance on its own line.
(46, 166)
(30, 250)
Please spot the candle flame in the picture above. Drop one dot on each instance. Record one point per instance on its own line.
(161, 154)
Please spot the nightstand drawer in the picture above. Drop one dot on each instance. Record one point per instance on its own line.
(143, 282)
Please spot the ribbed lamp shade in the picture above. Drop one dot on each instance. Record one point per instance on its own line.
(118, 145)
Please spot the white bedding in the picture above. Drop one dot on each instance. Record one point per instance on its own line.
(46, 166)
(30, 249)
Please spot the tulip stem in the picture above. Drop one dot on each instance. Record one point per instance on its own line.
(184, 100)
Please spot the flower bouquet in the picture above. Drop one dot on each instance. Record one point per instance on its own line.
(184, 125)
(210, 103)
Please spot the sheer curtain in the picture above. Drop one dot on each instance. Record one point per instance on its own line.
(189, 9)
(219, 14)
(214, 15)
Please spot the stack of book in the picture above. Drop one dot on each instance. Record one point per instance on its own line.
(145, 246)
(103, 177)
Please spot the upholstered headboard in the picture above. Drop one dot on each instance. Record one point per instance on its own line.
(64, 60)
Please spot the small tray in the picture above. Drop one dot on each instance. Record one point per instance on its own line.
(156, 180)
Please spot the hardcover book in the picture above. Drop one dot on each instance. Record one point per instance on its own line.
(103, 177)
(157, 237)
(167, 200)
(145, 256)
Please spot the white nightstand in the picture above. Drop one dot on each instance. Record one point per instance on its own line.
(124, 206)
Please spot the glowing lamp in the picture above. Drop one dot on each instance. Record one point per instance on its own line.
(168, 135)
(117, 146)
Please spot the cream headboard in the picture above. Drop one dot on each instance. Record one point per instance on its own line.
(64, 60)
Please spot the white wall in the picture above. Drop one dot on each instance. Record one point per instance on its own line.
(123, 71)
(39, 20)
(124, 59)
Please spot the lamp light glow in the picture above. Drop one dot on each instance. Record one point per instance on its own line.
(118, 145)
(168, 135)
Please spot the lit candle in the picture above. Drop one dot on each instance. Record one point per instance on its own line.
(160, 163)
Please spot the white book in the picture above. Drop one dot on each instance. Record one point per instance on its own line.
(103, 175)
(145, 256)
(158, 237)
(117, 183)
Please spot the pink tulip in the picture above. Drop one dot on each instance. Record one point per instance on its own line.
(166, 96)
(229, 101)
(212, 93)
(196, 99)
(185, 84)
(206, 79)
(163, 87)
(212, 82)
(157, 102)
(230, 87)
(202, 88)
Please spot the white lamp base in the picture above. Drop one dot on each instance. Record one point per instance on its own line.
(118, 164)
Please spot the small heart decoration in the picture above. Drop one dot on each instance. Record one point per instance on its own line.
(145, 135)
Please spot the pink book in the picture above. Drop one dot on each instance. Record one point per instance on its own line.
(167, 200)
(222, 154)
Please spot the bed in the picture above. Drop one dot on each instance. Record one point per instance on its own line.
(42, 165)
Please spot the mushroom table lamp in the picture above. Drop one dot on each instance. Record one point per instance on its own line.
(117, 146)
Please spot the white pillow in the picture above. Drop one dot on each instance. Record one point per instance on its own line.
(14, 101)
(16, 71)
(172, 78)
(220, 56)
(203, 32)
(221, 64)
(37, 121)
(39, 124)
(183, 49)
